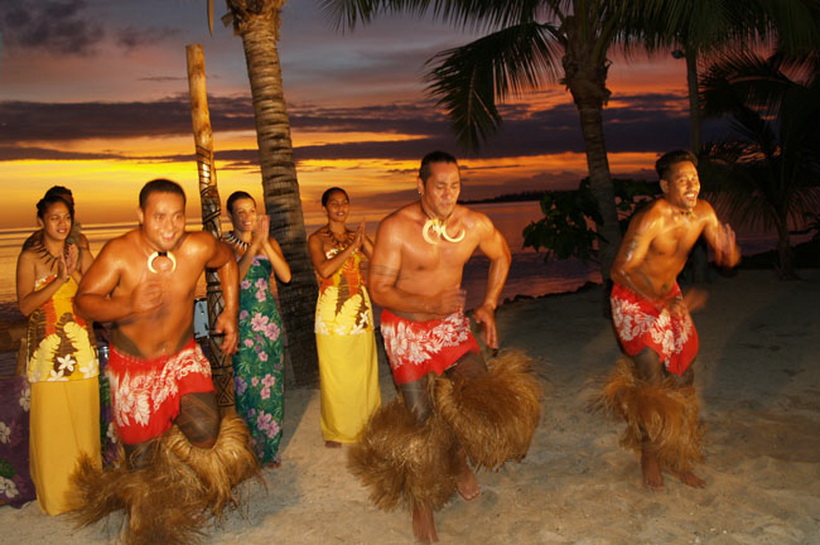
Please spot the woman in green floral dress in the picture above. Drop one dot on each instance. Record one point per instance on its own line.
(259, 361)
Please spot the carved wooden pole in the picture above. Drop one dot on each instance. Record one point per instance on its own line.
(221, 368)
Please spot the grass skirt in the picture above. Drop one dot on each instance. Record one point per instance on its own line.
(493, 416)
(170, 500)
(667, 415)
(400, 460)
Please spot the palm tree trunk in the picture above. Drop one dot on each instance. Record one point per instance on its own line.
(695, 137)
(600, 184)
(281, 191)
(585, 75)
(221, 368)
(699, 258)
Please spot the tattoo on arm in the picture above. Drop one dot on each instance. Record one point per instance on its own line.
(381, 270)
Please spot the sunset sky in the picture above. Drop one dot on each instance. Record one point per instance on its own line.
(94, 96)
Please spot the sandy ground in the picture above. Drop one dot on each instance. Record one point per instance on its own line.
(759, 377)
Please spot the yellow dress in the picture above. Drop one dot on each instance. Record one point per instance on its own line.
(63, 369)
(348, 360)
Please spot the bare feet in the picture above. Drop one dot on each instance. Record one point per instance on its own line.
(467, 484)
(652, 477)
(424, 527)
(690, 479)
(333, 444)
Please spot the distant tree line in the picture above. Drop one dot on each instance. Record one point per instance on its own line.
(523, 196)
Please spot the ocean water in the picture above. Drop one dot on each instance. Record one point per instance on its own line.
(529, 275)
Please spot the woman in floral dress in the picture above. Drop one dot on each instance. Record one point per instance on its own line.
(345, 340)
(258, 364)
(60, 355)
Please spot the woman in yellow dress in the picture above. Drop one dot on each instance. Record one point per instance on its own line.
(61, 361)
(345, 340)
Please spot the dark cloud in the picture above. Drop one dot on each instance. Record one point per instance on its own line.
(63, 28)
(640, 123)
(132, 38)
(22, 122)
(69, 27)
(162, 79)
(9, 153)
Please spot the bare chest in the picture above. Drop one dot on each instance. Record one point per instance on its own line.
(435, 257)
(675, 241)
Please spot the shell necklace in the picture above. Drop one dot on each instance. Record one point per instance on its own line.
(238, 243)
(339, 243)
(439, 227)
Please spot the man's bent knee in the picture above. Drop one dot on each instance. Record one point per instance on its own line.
(416, 397)
(649, 366)
(199, 419)
(471, 366)
(138, 455)
(686, 379)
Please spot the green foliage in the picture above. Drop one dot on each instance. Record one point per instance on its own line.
(7, 470)
(565, 229)
(571, 219)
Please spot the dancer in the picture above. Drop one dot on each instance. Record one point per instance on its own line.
(346, 343)
(182, 461)
(652, 389)
(258, 364)
(75, 236)
(61, 361)
(417, 447)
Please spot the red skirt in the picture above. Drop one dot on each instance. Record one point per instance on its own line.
(145, 393)
(640, 324)
(417, 348)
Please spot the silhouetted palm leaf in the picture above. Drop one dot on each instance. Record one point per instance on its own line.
(770, 174)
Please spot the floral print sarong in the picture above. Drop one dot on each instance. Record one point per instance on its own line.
(259, 362)
(417, 348)
(145, 392)
(639, 324)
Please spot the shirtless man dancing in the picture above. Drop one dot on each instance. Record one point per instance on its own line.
(652, 390)
(144, 282)
(415, 274)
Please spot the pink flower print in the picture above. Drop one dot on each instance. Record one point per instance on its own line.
(255, 382)
(264, 421)
(273, 429)
(272, 331)
(263, 356)
(245, 284)
(264, 393)
(243, 314)
(267, 424)
(248, 343)
(260, 283)
(268, 380)
(261, 295)
(259, 322)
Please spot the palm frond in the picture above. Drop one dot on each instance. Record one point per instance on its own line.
(468, 14)
(744, 78)
(469, 80)
(799, 22)
(769, 177)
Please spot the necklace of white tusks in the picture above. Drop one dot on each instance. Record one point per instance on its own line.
(439, 228)
(169, 255)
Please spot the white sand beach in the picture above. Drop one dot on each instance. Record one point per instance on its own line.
(758, 375)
